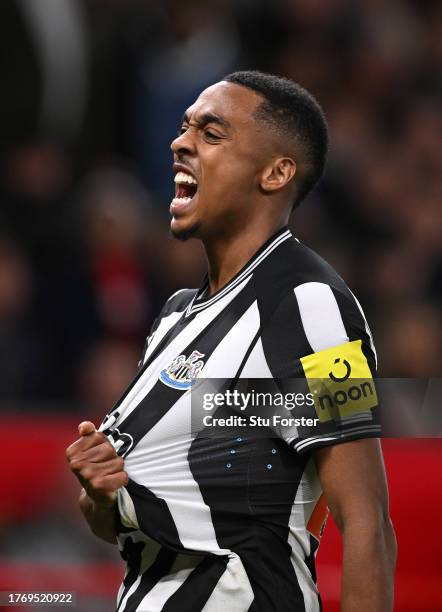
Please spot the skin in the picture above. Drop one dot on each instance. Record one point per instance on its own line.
(243, 190)
(94, 461)
(353, 480)
(247, 180)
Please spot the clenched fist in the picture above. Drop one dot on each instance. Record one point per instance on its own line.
(96, 464)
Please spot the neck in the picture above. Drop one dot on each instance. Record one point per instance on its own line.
(226, 255)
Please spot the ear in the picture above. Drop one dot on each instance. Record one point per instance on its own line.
(277, 174)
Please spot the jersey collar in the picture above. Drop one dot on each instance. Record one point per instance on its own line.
(200, 303)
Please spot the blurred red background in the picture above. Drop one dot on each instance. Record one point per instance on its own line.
(92, 94)
(30, 488)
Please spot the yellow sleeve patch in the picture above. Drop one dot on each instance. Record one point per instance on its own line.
(340, 380)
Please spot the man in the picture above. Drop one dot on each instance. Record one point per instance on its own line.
(234, 523)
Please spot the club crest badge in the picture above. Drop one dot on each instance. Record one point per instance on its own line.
(182, 371)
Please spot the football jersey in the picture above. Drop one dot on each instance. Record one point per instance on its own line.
(233, 522)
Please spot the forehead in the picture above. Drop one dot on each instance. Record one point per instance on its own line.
(232, 102)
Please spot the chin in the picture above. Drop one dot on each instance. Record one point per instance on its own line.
(185, 233)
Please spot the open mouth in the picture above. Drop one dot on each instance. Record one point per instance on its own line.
(186, 187)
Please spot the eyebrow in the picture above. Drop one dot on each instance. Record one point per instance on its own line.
(206, 118)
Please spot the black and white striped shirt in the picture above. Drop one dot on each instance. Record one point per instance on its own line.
(233, 523)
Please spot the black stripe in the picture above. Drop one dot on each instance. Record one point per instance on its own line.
(193, 594)
(165, 311)
(250, 507)
(131, 553)
(344, 437)
(310, 561)
(175, 304)
(283, 336)
(159, 400)
(200, 303)
(154, 516)
(354, 324)
(159, 568)
(248, 352)
(172, 333)
(179, 301)
(141, 371)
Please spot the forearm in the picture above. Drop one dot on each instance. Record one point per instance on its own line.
(368, 568)
(101, 518)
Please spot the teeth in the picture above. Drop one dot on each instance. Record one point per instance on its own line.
(183, 200)
(183, 177)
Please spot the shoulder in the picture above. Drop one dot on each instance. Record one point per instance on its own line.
(305, 304)
(178, 301)
(172, 309)
(294, 264)
(169, 314)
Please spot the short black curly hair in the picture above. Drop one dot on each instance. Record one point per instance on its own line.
(294, 113)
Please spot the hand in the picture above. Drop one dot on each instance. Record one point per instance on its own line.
(96, 464)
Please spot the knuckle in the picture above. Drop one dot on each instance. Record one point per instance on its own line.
(75, 465)
(86, 473)
(111, 449)
(99, 437)
(102, 446)
(97, 483)
(70, 451)
(108, 449)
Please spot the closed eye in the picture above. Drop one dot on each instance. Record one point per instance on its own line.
(211, 135)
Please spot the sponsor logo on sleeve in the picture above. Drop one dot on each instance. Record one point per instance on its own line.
(340, 381)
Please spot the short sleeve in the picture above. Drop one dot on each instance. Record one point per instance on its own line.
(327, 352)
(342, 402)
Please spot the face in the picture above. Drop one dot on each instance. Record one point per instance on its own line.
(218, 160)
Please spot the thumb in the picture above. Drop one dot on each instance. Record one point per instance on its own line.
(85, 428)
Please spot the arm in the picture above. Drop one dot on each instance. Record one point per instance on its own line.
(353, 479)
(101, 519)
(100, 470)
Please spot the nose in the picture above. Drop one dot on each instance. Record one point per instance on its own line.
(183, 144)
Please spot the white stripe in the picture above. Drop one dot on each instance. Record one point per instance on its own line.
(121, 589)
(163, 589)
(126, 509)
(308, 493)
(256, 365)
(195, 308)
(149, 554)
(320, 316)
(336, 435)
(172, 480)
(367, 329)
(340, 433)
(360, 416)
(150, 376)
(233, 591)
(234, 344)
(176, 293)
(160, 459)
(132, 589)
(165, 325)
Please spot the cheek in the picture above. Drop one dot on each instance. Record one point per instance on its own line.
(230, 176)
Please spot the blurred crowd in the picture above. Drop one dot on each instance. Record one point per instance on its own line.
(93, 92)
